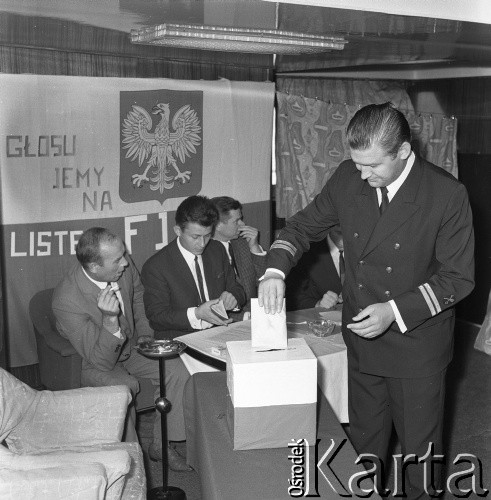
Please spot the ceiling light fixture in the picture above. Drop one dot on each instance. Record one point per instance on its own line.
(219, 38)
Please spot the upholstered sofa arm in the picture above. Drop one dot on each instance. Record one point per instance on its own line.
(66, 419)
(60, 471)
(54, 483)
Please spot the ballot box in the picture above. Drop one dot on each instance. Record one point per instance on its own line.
(272, 395)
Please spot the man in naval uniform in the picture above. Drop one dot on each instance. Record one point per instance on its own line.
(409, 254)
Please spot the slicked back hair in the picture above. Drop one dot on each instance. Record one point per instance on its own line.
(88, 248)
(380, 124)
(224, 204)
(197, 209)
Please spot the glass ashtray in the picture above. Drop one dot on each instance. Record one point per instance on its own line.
(321, 327)
(160, 348)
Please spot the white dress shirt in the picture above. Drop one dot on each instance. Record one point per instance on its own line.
(226, 244)
(334, 251)
(197, 324)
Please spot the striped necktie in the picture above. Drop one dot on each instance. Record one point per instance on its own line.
(342, 266)
(232, 259)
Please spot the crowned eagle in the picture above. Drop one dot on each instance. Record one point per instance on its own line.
(161, 147)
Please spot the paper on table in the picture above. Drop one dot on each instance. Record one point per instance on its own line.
(268, 331)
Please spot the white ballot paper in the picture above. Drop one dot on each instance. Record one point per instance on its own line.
(268, 331)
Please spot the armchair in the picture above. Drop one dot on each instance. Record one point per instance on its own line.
(60, 365)
(66, 444)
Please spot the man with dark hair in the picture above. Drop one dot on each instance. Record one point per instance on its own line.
(316, 279)
(99, 308)
(409, 253)
(189, 275)
(241, 243)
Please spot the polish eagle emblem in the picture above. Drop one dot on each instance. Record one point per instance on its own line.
(161, 148)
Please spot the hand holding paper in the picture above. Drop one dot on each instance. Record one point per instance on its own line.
(229, 301)
(220, 310)
(206, 313)
(271, 293)
(268, 331)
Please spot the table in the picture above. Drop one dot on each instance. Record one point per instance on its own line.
(264, 474)
(332, 363)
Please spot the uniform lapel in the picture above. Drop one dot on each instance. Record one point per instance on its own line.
(400, 209)
(366, 215)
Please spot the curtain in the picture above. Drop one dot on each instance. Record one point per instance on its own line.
(311, 135)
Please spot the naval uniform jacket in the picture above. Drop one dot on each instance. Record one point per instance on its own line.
(170, 289)
(419, 253)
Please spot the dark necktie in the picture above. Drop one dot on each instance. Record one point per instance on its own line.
(232, 258)
(342, 266)
(200, 279)
(385, 200)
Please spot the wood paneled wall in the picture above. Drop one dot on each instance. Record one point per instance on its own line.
(46, 46)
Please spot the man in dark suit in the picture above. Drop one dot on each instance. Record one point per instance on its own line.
(190, 275)
(409, 252)
(316, 280)
(241, 243)
(99, 308)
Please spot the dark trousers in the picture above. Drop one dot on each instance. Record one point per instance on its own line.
(413, 406)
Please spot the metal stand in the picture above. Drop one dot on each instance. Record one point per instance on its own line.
(163, 406)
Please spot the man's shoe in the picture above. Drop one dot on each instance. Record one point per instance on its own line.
(175, 460)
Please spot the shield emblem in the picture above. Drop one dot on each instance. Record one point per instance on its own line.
(161, 150)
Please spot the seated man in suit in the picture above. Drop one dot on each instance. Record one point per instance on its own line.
(316, 281)
(189, 275)
(99, 308)
(241, 243)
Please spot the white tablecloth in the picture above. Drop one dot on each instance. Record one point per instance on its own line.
(332, 366)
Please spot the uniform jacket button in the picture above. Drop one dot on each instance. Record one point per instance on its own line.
(360, 286)
(387, 293)
(362, 262)
(397, 246)
(356, 235)
(388, 269)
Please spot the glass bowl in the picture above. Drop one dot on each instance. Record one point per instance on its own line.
(160, 348)
(322, 327)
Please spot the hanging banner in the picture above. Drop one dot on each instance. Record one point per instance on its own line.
(122, 153)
